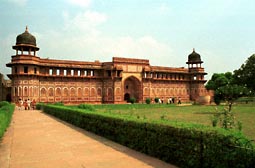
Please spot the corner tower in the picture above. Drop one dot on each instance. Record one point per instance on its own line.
(196, 73)
(25, 67)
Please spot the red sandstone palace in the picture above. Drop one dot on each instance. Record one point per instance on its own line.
(75, 82)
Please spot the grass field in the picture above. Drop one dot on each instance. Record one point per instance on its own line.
(190, 113)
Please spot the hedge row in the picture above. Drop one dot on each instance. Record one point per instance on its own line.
(6, 111)
(182, 146)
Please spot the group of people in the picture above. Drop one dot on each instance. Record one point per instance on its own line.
(27, 104)
(170, 100)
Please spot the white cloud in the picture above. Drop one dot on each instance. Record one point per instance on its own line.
(18, 2)
(142, 47)
(82, 3)
(103, 48)
(84, 23)
(82, 39)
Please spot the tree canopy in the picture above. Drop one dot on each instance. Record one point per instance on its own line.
(225, 88)
(245, 75)
(219, 80)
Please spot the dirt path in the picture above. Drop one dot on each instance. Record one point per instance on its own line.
(37, 140)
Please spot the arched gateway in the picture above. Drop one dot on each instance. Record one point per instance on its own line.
(132, 88)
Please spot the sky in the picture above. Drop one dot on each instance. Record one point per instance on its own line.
(163, 31)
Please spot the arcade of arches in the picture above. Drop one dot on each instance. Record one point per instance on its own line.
(74, 82)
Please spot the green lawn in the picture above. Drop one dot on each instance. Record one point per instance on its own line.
(192, 113)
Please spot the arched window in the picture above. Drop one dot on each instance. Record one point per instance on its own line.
(171, 91)
(31, 91)
(58, 92)
(35, 91)
(158, 91)
(20, 91)
(92, 92)
(118, 91)
(167, 92)
(25, 91)
(15, 91)
(73, 92)
(86, 91)
(109, 92)
(65, 93)
(99, 92)
(43, 92)
(51, 92)
(162, 91)
(79, 92)
(154, 91)
(146, 91)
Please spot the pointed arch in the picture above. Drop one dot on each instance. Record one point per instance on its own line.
(133, 88)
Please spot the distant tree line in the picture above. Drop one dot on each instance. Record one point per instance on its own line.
(230, 86)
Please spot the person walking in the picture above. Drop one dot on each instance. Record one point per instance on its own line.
(25, 104)
(20, 104)
(179, 100)
(33, 104)
(28, 104)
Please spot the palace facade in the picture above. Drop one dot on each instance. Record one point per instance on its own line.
(75, 82)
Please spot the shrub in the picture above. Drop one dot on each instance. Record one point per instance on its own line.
(39, 106)
(4, 103)
(6, 111)
(132, 100)
(148, 101)
(215, 121)
(87, 107)
(226, 120)
(156, 100)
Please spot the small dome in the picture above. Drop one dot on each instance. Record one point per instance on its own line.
(194, 57)
(26, 38)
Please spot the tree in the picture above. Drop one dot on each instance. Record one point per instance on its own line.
(230, 93)
(245, 75)
(219, 80)
(225, 88)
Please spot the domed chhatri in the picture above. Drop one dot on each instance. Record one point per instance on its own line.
(194, 57)
(26, 42)
(26, 38)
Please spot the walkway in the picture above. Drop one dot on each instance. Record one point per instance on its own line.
(37, 140)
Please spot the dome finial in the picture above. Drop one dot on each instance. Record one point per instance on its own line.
(26, 29)
(194, 50)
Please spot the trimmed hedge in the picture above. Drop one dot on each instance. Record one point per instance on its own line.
(6, 111)
(179, 144)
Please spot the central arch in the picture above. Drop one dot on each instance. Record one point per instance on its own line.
(132, 89)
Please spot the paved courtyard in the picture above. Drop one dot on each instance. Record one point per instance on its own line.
(37, 140)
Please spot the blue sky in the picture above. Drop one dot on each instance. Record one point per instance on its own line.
(163, 31)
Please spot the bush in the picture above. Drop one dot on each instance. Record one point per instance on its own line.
(39, 106)
(148, 101)
(132, 100)
(87, 107)
(6, 111)
(156, 100)
(4, 103)
(180, 144)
